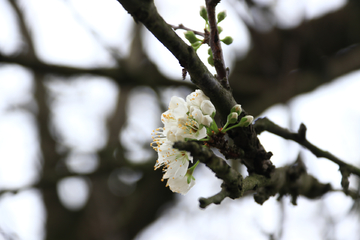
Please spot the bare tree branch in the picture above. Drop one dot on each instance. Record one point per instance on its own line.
(180, 26)
(215, 45)
(264, 124)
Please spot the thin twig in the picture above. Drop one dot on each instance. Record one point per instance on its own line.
(187, 29)
(215, 45)
(264, 124)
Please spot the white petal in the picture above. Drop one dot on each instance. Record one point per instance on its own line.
(207, 120)
(178, 107)
(196, 98)
(197, 114)
(207, 107)
(180, 185)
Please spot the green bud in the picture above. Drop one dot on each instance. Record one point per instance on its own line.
(228, 40)
(221, 16)
(214, 127)
(246, 121)
(232, 118)
(190, 36)
(211, 60)
(237, 109)
(189, 178)
(190, 171)
(196, 45)
(220, 29)
(203, 13)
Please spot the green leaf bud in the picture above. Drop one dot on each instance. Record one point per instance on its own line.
(196, 45)
(221, 16)
(203, 13)
(214, 127)
(210, 52)
(190, 36)
(211, 60)
(227, 40)
(220, 29)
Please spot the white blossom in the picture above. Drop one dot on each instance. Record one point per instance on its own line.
(196, 98)
(175, 164)
(207, 120)
(183, 120)
(180, 184)
(207, 107)
(180, 123)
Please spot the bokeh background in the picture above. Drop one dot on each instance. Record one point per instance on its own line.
(82, 86)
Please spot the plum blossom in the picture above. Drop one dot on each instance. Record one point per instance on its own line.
(183, 121)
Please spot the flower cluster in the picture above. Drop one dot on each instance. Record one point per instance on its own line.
(184, 120)
(189, 119)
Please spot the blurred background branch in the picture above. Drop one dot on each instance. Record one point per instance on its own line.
(282, 63)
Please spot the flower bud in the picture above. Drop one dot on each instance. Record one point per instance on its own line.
(232, 118)
(227, 40)
(207, 107)
(237, 109)
(221, 16)
(246, 121)
(190, 36)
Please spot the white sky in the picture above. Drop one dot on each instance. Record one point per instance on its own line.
(60, 38)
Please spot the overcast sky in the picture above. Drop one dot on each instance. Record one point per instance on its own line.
(61, 38)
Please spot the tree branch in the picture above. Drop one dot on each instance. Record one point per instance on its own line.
(180, 26)
(232, 179)
(289, 180)
(264, 124)
(215, 45)
(256, 158)
(121, 75)
(145, 12)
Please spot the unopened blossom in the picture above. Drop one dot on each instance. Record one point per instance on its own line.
(207, 107)
(246, 121)
(237, 109)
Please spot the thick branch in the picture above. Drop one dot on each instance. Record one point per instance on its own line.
(256, 157)
(120, 74)
(290, 180)
(145, 12)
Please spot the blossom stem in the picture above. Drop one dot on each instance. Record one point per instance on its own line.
(225, 130)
